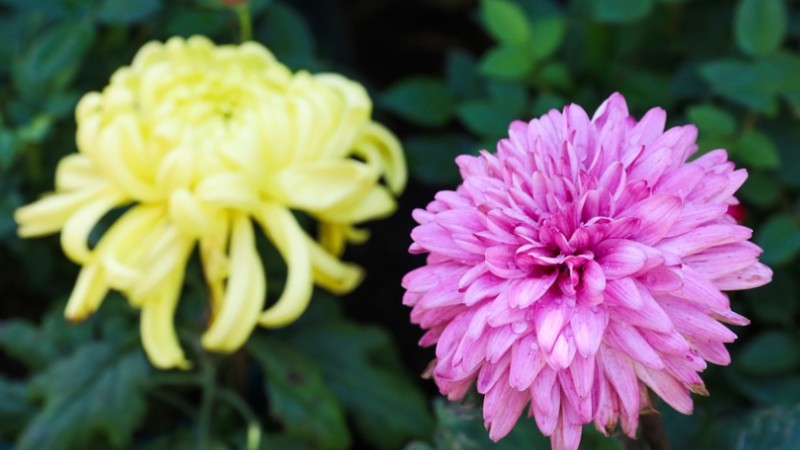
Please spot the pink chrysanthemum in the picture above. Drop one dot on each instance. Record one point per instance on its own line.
(581, 264)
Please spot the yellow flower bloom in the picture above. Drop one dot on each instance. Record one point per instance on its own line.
(199, 141)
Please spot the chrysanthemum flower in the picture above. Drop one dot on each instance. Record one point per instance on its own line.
(578, 266)
(197, 141)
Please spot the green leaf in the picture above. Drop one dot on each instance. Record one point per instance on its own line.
(187, 23)
(298, 396)
(8, 148)
(754, 84)
(421, 100)
(93, 396)
(485, 119)
(621, 11)
(508, 96)
(126, 12)
(766, 390)
(53, 58)
(779, 236)
(507, 62)
(505, 21)
(769, 353)
(760, 190)
(361, 366)
(776, 428)
(545, 103)
(23, 341)
(756, 150)
(777, 302)
(760, 26)
(554, 75)
(546, 36)
(461, 72)
(460, 426)
(431, 158)
(15, 407)
(287, 34)
(712, 121)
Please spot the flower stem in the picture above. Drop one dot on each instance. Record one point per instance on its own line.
(209, 392)
(253, 427)
(653, 431)
(245, 21)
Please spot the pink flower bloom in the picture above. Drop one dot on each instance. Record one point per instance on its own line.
(578, 266)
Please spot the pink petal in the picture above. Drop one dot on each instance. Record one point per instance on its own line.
(525, 291)
(504, 405)
(650, 316)
(587, 328)
(657, 213)
(500, 341)
(619, 257)
(567, 435)
(667, 387)
(619, 371)
(526, 363)
(546, 401)
(485, 287)
(718, 261)
(695, 215)
(692, 322)
(696, 288)
(704, 237)
(549, 319)
(500, 261)
(623, 293)
(629, 341)
(649, 166)
(754, 276)
(712, 351)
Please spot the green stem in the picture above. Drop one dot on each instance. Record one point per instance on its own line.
(209, 392)
(253, 427)
(245, 21)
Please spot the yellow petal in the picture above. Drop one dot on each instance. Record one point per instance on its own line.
(324, 185)
(48, 214)
(76, 171)
(229, 190)
(334, 236)
(245, 293)
(75, 234)
(167, 251)
(123, 248)
(111, 158)
(215, 261)
(379, 146)
(159, 338)
(376, 204)
(331, 273)
(191, 216)
(292, 243)
(87, 295)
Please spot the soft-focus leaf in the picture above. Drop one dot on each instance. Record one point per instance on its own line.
(508, 62)
(769, 353)
(8, 148)
(505, 21)
(431, 158)
(460, 426)
(507, 96)
(422, 100)
(777, 302)
(766, 390)
(760, 25)
(361, 367)
(15, 407)
(98, 391)
(126, 12)
(760, 190)
(485, 118)
(285, 32)
(53, 58)
(621, 11)
(191, 22)
(773, 428)
(756, 150)
(779, 236)
(461, 73)
(554, 75)
(298, 396)
(546, 36)
(712, 120)
(24, 341)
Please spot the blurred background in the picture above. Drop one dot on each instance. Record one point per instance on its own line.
(447, 76)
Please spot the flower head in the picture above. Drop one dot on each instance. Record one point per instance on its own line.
(578, 266)
(199, 141)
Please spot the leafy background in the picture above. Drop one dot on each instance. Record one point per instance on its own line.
(448, 76)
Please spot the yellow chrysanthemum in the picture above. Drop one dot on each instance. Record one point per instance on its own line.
(199, 141)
